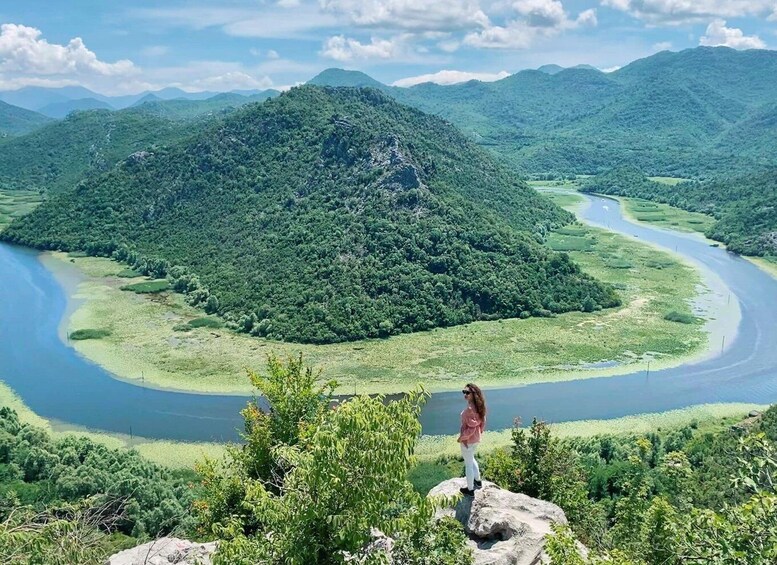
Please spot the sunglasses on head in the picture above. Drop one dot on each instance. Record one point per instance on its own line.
(465, 391)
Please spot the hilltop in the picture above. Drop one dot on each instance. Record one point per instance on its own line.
(328, 215)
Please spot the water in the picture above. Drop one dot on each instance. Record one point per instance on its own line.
(58, 384)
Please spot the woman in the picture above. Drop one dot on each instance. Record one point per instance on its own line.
(473, 422)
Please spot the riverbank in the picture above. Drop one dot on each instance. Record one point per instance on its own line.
(144, 343)
(173, 454)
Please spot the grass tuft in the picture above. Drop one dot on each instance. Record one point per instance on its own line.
(680, 317)
(89, 334)
(148, 287)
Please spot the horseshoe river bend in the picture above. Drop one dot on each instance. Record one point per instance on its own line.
(57, 383)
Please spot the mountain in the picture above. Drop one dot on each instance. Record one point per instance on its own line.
(341, 77)
(18, 121)
(219, 104)
(149, 98)
(745, 207)
(327, 215)
(95, 141)
(550, 69)
(36, 97)
(59, 110)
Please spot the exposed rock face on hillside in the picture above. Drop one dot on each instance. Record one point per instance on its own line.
(504, 528)
(165, 551)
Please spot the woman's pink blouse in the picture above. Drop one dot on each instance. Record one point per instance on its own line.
(472, 425)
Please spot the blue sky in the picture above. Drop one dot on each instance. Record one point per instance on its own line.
(126, 47)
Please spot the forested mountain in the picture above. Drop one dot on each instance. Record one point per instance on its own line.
(18, 121)
(57, 156)
(341, 77)
(220, 104)
(745, 207)
(675, 114)
(325, 215)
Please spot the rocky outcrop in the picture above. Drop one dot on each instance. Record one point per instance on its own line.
(504, 528)
(166, 551)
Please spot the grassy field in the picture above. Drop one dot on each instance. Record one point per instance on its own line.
(666, 216)
(671, 181)
(16, 203)
(146, 338)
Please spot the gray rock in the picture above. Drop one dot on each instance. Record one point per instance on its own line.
(166, 551)
(504, 528)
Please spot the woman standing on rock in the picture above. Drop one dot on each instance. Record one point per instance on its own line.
(473, 422)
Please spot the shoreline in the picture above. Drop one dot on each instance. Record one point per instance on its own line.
(81, 287)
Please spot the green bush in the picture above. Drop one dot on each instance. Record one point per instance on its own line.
(675, 316)
(148, 287)
(89, 334)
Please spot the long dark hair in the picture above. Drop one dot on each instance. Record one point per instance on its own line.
(478, 400)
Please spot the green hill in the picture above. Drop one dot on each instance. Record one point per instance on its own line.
(342, 77)
(327, 215)
(18, 121)
(745, 207)
(667, 114)
(60, 154)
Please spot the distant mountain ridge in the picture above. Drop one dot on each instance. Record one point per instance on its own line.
(18, 121)
(327, 215)
(673, 113)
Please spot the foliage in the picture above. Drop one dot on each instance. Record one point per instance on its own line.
(38, 473)
(681, 497)
(745, 208)
(148, 287)
(88, 334)
(96, 141)
(326, 215)
(679, 317)
(343, 475)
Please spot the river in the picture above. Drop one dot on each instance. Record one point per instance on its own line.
(58, 384)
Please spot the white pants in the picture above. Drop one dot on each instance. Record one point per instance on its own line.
(470, 464)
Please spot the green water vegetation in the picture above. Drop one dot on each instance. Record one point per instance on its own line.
(129, 274)
(88, 334)
(153, 337)
(666, 216)
(744, 209)
(148, 287)
(17, 203)
(327, 215)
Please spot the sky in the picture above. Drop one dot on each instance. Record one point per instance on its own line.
(124, 47)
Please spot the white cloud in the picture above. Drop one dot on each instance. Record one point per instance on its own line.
(288, 3)
(451, 77)
(674, 12)
(610, 69)
(718, 34)
(341, 48)
(662, 46)
(273, 54)
(537, 19)
(22, 50)
(428, 15)
(234, 80)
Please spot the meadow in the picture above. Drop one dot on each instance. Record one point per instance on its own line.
(17, 203)
(159, 338)
(665, 216)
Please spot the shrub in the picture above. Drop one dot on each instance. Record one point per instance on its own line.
(79, 335)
